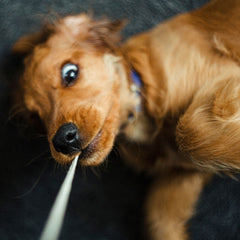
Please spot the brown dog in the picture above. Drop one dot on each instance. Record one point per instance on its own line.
(179, 120)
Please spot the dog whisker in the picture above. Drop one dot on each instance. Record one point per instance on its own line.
(116, 151)
(34, 184)
(15, 111)
(84, 172)
(34, 159)
(40, 136)
(96, 171)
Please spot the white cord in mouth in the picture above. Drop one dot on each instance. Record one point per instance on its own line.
(54, 222)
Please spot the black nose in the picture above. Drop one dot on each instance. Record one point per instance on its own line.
(66, 139)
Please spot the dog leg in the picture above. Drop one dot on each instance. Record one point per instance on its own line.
(171, 202)
(209, 130)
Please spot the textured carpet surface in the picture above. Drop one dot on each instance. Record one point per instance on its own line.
(106, 203)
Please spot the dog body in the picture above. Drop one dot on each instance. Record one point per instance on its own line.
(182, 126)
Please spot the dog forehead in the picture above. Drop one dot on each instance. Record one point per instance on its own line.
(75, 23)
(69, 29)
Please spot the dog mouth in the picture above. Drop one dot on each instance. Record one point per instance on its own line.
(91, 148)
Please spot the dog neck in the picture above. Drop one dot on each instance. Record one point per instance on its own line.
(136, 125)
(136, 87)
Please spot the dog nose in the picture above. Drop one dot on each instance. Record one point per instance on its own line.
(67, 139)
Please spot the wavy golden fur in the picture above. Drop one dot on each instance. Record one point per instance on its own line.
(188, 125)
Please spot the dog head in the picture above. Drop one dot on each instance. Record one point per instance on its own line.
(75, 80)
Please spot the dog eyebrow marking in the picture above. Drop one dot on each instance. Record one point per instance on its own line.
(56, 216)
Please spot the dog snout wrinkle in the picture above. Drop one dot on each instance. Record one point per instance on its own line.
(67, 139)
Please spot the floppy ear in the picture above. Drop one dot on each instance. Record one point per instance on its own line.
(228, 46)
(138, 52)
(26, 43)
(106, 31)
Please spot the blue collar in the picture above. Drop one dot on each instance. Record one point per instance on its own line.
(136, 87)
(136, 79)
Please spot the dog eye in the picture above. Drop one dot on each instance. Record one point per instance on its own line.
(69, 74)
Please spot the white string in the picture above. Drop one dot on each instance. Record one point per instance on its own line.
(54, 222)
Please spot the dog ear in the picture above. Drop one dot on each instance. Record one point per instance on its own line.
(105, 33)
(137, 51)
(227, 46)
(105, 27)
(100, 33)
(27, 43)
